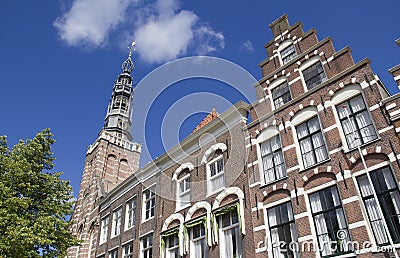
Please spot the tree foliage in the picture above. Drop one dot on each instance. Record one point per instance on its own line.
(34, 202)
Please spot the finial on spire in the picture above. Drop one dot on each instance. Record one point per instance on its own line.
(132, 48)
(127, 65)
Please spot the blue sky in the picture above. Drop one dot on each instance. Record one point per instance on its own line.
(59, 59)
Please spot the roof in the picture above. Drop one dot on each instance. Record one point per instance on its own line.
(211, 116)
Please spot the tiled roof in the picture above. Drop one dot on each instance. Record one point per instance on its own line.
(211, 116)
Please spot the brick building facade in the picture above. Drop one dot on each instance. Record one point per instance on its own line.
(313, 174)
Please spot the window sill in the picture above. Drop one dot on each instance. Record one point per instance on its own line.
(143, 221)
(302, 170)
(126, 229)
(114, 236)
(215, 192)
(262, 185)
(346, 150)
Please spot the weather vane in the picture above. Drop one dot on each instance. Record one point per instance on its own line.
(132, 48)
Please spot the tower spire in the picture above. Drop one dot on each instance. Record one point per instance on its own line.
(127, 65)
(118, 120)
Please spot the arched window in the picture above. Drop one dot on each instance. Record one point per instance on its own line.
(182, 177)
(330, 222)
(313, 73)
(312, 148)
(283, 231)
(280, 92)
(91, 242)
(270, 155)
(214, 160)
(287, 51)
(356, 122)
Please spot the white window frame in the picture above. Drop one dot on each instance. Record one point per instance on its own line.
(146, 238)
(281, 96)
(269, 135)
(222, 236)
(292, 221)
(179, 194)
(301, 117)
(285, 44)
(307, 64)
(130, 250)
(144, 201)
(309, 136)
(128, 213)
(313, 215)
(343, 95)
(175, 247)
(116, 222)
(91, 243)
(293, 57)
(105, 221)
(218, 174)
(200, 238)
(113, 253)
(275, 84)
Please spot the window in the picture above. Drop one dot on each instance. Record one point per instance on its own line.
(231, 238)
(124, 105)
(183, 192)
(198, 247)
(127, 251)
(272, 160)
(113, 254)
(283, 230)
(149, 200)
(288, 53)
(388, 195)
(104, 230)
(281, 94)
(314, 75)
(91, 239)
(312, 144)
(216, 174)
(117, 102)
(116, 225)
(356, 122)
(331, 226)
(130, 213)
(172, 246)
(146, 244)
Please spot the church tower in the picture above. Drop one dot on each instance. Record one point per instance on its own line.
(111, 159)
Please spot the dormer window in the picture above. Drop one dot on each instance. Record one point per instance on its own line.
(288, 53)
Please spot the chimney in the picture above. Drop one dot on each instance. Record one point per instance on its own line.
(279, 25)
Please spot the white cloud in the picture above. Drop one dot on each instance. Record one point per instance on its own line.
(162, 29)
(210, 40)
(248, 46)
(169, 33)
(164, 38)
(89, 22)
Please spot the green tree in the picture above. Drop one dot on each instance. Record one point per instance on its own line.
(34, 202)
